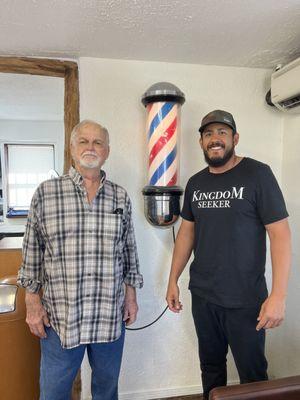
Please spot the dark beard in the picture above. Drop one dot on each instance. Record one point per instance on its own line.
(220, 161)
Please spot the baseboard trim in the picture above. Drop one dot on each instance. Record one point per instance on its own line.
(161, 393)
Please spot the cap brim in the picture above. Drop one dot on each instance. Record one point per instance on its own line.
(201, 129)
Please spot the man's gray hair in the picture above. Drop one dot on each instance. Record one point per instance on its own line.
(84, 123)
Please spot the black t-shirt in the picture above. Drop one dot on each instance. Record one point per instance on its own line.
(230, 211)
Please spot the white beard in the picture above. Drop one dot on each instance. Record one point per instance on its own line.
(90, 164)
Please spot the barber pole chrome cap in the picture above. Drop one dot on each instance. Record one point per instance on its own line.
(162, 205)
(163, 91)
(163, 102)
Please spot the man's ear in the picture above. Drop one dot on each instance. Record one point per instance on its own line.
(200, 142)
(107, 154)
(236, 138)
(71, 153)
(71, 149)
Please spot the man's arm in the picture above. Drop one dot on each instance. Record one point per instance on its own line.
(131, 273)
(131, 267)
(182, 251)
(273, 309)
(31, 271)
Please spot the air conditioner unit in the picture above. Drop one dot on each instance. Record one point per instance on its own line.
(285, 87)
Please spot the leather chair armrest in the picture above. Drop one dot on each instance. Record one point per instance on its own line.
(277, 389)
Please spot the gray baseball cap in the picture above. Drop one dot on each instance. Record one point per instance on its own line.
(218, 116)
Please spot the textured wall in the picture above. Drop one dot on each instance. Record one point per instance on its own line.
(287, 338)
(162, 360)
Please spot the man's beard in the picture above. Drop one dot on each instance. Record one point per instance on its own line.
(219, 161)
(95, 163)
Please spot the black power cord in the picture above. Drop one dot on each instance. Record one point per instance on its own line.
(153, 322)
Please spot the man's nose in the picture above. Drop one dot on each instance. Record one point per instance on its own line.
(91, 146)
(214, 136)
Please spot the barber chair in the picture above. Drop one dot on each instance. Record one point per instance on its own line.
(277, 389)
(19, 349)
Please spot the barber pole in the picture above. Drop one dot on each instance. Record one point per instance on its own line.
(162, 136)
(162, 195)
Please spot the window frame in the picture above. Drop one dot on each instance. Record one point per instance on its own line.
(4, 167)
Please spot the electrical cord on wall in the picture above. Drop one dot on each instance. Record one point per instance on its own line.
(153, 322)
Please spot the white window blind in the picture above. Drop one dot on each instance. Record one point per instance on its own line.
(28, 166)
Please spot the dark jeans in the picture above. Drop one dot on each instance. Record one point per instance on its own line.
(59, 367)
(216, 328)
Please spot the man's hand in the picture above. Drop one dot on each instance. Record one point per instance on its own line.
(172, 298)
(36, 317)
(271, 313)
(130, 305)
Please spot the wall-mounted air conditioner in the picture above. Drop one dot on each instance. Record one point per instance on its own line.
(285, 87)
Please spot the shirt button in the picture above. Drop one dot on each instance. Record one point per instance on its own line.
(90, 230)
(88, 295)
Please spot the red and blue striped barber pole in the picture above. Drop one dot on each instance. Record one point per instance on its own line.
(162, 195)
(162, 136)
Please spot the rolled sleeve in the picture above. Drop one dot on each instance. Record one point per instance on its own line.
(131, 270)
(31, 271)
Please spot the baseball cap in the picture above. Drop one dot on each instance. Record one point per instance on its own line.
(218, 116)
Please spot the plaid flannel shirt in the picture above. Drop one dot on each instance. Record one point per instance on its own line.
(81, 255)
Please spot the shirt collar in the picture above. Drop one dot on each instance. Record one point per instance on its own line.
(78, 179)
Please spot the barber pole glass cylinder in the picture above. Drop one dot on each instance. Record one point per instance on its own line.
(163, 102)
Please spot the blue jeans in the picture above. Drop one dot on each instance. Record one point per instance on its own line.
(59, 367)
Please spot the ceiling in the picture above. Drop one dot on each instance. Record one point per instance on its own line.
(247, 33)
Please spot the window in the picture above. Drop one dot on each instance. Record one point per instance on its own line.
(27, 165)
(1, 193)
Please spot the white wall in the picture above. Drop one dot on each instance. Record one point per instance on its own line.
(162, 360)
(29, 132)
(288, 337)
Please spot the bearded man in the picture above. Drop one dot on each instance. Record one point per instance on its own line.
(80, 270)
(228, 208)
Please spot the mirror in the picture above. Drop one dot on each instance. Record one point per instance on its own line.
(39, 105)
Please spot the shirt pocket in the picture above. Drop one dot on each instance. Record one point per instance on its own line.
(111, 229)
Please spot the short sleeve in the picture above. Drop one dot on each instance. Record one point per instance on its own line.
(270, 202)
(186, 212)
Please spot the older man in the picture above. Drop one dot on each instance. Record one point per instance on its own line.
(80, 269)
